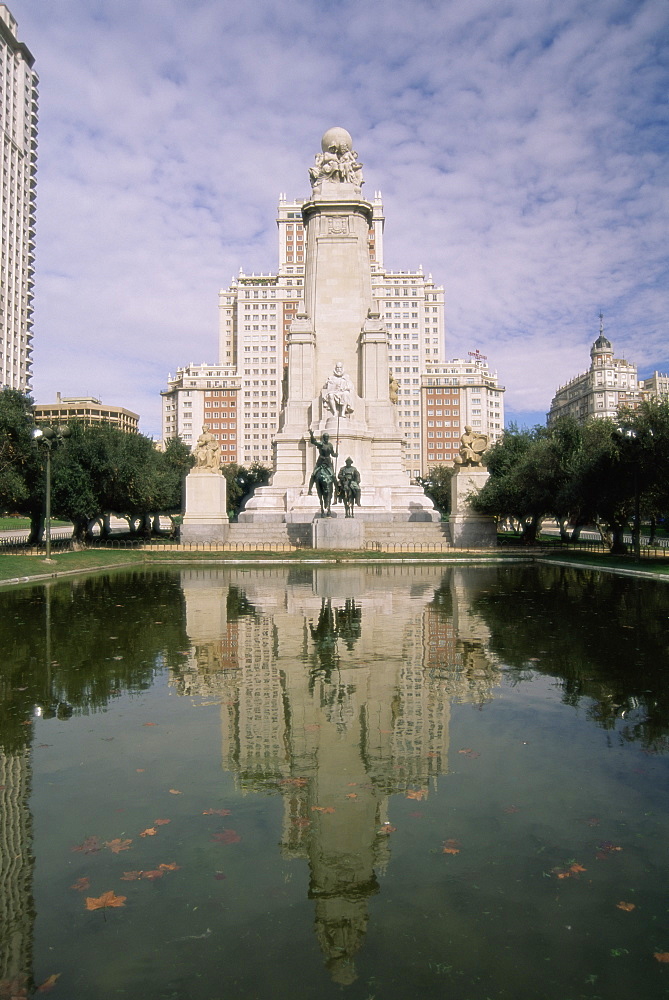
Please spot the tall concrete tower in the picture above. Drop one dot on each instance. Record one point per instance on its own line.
(18, 163)
(338, 372)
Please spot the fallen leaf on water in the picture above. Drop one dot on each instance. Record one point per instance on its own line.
(149, 832)
(323, 809)
(216, 812)
(81, 884)
(312, 728)
(158, 872)
(140, 770)
(627, 907)
(352, 795)
(570, 871)
(91, 845)
(386, 829)
(150, 723)
(417, 793)
(301, 821)
(451, 846)
(661, 956)
(170, 867)
(105, 901)
(153, 875)
(131, 876)
(118, 845)
(175, 791)
(468, 752)
(49, 983)
(161, 822)
(226, 837)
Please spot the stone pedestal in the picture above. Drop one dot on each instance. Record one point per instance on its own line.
(470, 530)
(338, 533)
(206, 517)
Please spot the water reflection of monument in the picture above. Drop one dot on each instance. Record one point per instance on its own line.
(336, 689)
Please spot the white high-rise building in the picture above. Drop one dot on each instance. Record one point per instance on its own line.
(18, 156)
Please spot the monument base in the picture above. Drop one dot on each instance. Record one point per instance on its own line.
(206, 519)
(293, 505)
(468, 529)
(337, 533)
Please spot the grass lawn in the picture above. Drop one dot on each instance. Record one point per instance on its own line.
(17, 523)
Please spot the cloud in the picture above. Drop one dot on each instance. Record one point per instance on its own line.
(520, 147)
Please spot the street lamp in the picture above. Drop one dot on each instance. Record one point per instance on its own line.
(50, 437)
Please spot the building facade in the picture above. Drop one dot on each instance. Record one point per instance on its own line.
(454, 395)
(656, 386)
(18, 163)
(205, 394)
(609, 384)
(86, 410)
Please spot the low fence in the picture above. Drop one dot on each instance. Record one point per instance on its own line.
(19, 545)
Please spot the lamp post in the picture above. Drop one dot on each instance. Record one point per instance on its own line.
(49, 437)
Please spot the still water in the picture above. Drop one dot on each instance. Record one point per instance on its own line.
(368, 782)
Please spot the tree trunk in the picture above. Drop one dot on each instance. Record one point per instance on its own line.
(564, 534)
(105, 526)
(618, 547)
(80, 526)
(653, 530)
(36, 536)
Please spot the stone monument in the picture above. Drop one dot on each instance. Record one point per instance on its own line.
(469, 529)
(206, 517)
(338, 380)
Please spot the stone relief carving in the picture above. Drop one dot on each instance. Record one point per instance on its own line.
(337, 161)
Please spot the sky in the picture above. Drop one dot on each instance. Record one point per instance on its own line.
(520, 147)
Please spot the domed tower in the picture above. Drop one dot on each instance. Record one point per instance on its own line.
(601, 351)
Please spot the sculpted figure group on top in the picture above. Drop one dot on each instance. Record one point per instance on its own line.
(338, 161)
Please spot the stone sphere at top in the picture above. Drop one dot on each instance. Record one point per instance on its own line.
(336, 139)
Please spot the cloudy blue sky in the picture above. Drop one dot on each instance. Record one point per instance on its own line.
(520, 147)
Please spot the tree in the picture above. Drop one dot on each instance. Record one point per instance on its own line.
(242, 483)
(437, 486)
(21, 478)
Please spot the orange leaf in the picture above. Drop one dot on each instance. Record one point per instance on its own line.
(386, 829)
(174, 791)
(661, 956)
(107, 899)
(351, 795)
(216, 812)
(149, 832)
(322, 809)
(577, 868)
(131, 876)
(417, 793)
(161, 822)
(118, 845)
(150, 723)
(140, 770)
(49, 983)
(153, 875)
(627, 907)
(82, 883)
(170, 868)
(451, 850)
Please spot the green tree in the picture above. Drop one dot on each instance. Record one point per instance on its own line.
(437, 486)
(242, 483)
(21, 479)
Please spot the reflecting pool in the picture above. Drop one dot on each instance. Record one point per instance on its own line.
(370, 781)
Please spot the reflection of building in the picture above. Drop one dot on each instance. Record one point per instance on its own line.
(609, 384)
(17, 912)
(86, 410)
(338, 697)
(18, 169)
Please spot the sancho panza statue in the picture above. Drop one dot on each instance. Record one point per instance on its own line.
(337, 393)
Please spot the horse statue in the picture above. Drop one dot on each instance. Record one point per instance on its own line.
(323, 479)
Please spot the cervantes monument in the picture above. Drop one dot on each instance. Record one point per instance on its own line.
(337, 380)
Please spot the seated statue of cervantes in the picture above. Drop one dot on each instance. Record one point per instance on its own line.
(337, 393)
